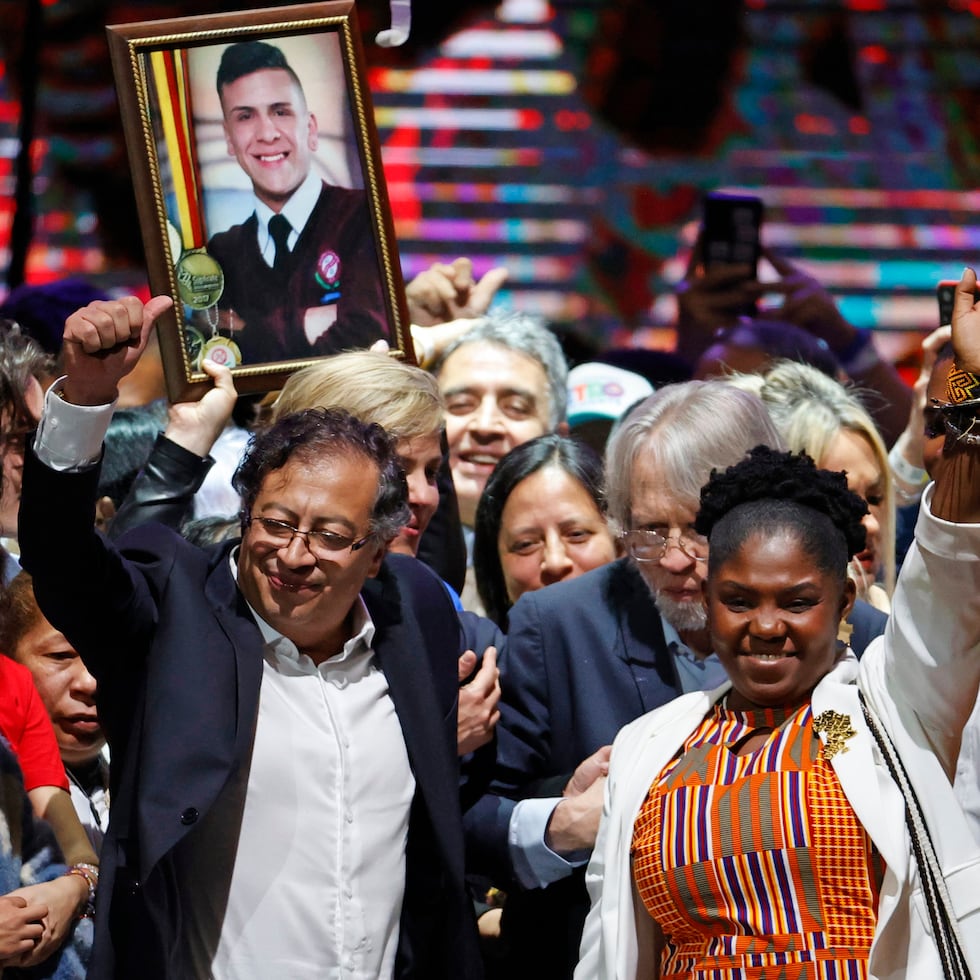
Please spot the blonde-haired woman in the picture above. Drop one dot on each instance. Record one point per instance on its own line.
(816, 414)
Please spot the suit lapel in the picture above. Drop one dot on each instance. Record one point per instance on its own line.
(399, 646)
(226, 681)
(235, 619)
(876, 800)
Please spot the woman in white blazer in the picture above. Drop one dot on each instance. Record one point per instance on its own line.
(774, 601)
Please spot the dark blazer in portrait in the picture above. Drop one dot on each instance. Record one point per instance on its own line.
(178, 659)
(583, 658)
(334, 265)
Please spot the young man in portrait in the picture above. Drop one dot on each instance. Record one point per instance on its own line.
(301, 273)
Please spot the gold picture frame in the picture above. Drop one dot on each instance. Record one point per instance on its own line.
(232, 120)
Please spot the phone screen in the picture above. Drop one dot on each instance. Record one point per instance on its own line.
(732, 225)
(944, 296)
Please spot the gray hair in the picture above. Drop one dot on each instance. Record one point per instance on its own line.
(809, 410)
(689, 429)
(528, 336)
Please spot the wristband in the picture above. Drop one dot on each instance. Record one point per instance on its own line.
(962, 386)
(906, 472)
(90, 873)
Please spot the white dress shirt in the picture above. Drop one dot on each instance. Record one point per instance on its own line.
(313, 886)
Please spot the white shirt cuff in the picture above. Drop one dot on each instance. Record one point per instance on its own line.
(70, 437)
(535, 864)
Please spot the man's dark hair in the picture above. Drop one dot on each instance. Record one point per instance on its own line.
(318, 435)
(245, 57)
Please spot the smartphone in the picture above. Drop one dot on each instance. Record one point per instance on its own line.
(944, 296)
(945, 290)
(732, 225)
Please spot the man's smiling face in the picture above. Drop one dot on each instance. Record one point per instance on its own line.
(270, 132)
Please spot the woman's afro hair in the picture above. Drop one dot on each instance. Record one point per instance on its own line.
(767, 474)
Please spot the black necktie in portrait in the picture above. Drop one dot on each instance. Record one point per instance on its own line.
(279, 229)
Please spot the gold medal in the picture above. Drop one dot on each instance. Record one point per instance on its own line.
(200, 280)
(222, 350)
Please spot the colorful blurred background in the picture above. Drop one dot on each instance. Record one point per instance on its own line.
(571, 142)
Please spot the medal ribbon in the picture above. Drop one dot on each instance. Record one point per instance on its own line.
(172, 80)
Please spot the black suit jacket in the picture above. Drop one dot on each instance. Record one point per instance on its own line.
(178, 658)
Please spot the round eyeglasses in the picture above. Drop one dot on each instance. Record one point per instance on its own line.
(649, 545)
(322, 544)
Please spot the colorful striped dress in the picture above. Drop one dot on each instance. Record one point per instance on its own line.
(755, 866)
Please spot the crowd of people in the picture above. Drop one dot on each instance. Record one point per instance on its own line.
(498, 666)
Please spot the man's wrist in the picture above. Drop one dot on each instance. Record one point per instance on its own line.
(76, 394)
(194, 441)
(560, 834)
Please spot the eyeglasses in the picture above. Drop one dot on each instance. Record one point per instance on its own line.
(648, 545)
(322, 544)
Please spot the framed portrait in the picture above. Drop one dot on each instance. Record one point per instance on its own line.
(260, 193)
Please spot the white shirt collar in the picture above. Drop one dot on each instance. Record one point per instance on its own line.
(296, 210)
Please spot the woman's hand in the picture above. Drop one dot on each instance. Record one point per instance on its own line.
(957, 472)
(478, 700)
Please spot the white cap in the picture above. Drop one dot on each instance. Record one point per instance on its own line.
(603, 391)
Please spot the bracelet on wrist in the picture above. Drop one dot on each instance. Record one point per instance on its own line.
(90, 874)
(962, 387)
(914, 477)
(962, 422)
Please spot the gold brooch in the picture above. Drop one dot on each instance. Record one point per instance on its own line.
(838, 730)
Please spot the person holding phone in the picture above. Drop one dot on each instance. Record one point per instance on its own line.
(715, 295)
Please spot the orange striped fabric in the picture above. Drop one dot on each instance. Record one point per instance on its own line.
(755, 866)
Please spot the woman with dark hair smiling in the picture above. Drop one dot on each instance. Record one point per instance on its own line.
(799, 821)
(541, 519)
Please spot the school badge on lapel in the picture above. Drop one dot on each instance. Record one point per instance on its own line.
(328, 277)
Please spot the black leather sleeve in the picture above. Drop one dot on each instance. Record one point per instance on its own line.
(163, 490)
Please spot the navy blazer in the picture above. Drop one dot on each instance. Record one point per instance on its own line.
(178, 659)
(582, 659)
